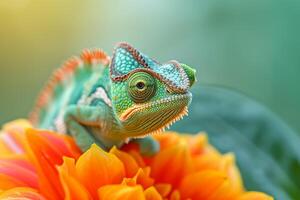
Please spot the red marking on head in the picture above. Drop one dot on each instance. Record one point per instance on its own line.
(95, 56)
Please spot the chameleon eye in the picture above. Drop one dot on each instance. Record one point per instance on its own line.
(141, 87)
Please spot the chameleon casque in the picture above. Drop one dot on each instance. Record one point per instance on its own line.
(110, 101)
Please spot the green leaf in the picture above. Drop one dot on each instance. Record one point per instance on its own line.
(266, 149)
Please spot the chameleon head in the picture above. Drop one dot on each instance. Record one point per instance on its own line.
(148, 96)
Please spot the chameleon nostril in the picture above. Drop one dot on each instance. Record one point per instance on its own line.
(168, 90)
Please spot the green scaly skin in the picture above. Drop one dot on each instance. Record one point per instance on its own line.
(128, 97)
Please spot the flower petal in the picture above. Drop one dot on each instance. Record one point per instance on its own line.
(96, 168)
(46, 154)
(74, 190)
(186, 167)
(4, 147)
(163, 189)
(197, 143)
(131, 166)
(19, 171)
(21, 193)
(12, 137)
(167, 139)
(8, 182)
(121, 192)
(228, 166)
(255, 196)
(142, 178)
(172, 164)
(18, 125)
(175, 195)
(152, 194)
(201, 185)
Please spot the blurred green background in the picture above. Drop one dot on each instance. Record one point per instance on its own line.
(252, 46)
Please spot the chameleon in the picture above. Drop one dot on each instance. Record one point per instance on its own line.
(111, 101)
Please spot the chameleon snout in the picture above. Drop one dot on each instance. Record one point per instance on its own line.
(190, 72)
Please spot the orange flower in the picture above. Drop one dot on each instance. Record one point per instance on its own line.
(40, 164)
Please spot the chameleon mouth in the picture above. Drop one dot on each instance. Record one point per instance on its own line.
(150, 118)
(180, 116)
(168, 100)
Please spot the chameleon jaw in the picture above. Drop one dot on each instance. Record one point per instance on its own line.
(180, 116)
(138, 107)
(151, 118)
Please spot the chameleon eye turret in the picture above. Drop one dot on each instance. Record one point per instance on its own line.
(141, 87)
(108, 101)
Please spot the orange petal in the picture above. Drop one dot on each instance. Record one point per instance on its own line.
(46, 150)
(96, 168)
(225, 192)
(142, 178)
(12, 142)
(121, 192)
(225, 163)
(13, 136)
(152, 194)
(175, 195)
(133, 151)
(20, 160)
(206, 161)
(228, 166)
(19, 170)
(167, 139)
(21, 193)
(18, 125)
(197, 143)
(171, 164)
(74, 190)
(4, 147)
(131, 166)
(201, 185)
(63, 143)
(8, 182)
(163, 189)
(255, 196)
(68, 166)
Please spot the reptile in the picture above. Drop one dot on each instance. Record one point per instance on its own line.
(110, 101)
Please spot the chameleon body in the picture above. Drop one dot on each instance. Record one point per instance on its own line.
(110, 101)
